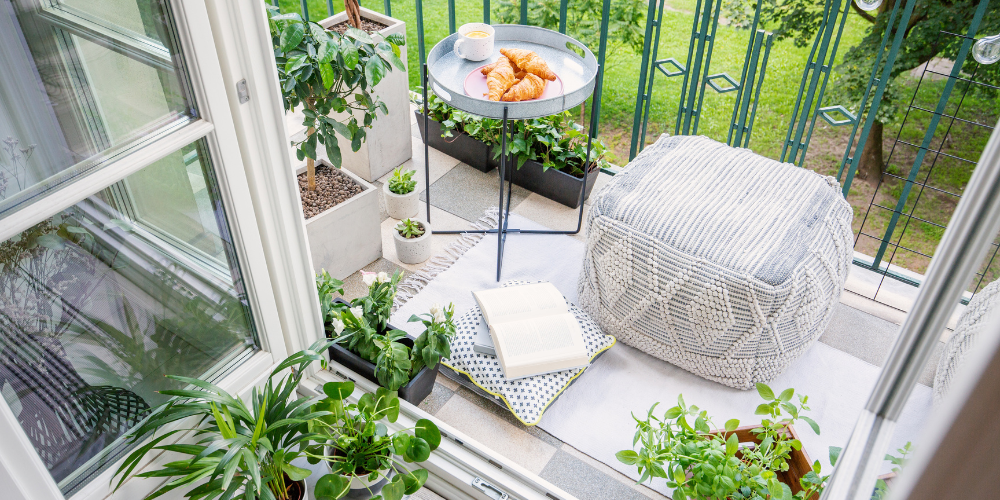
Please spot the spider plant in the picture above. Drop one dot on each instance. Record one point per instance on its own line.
(242, 448)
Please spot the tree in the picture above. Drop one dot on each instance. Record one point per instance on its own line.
(353, 10)
(923, 41)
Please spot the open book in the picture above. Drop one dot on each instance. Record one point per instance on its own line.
(532, 329)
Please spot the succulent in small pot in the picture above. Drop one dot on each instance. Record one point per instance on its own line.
(413, 241)
(360, 450)
(400, 194)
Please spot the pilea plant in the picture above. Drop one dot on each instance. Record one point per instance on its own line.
(402, 181)
(329, 73)
(553, 141)
(703, 464)
(410, 228)
(352, 438)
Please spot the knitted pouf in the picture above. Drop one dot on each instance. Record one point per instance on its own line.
(967, 333)
(715, 259)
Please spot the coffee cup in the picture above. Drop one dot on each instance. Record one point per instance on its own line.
(475, 41)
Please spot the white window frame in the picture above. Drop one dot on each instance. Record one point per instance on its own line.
(23, 475)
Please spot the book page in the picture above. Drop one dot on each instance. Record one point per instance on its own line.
(516, 303)
(539, 345)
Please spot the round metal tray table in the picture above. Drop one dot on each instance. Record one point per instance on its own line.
(444, 73)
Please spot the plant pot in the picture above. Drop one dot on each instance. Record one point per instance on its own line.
(413, 250)
(298, 490)
(401, 206)
(798, 462)
(553, 184)
(361, 487)
(472, 152)
(348, 236)
(385, 147)
(418, 388)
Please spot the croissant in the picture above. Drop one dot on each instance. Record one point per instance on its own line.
(531, 87)
(530, 62)
(500, 79)
(485, 70)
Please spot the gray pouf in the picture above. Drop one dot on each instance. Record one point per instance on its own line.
(716, 259)
(967, 332)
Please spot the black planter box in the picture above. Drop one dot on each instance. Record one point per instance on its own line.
(553, 184)
(418, 388)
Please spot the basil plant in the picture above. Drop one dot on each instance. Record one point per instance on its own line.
(326, 72)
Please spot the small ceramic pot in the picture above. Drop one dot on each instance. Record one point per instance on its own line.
(361, 487)
(401, 206)
(413, 250)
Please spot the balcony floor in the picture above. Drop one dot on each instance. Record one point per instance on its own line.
(460, 195)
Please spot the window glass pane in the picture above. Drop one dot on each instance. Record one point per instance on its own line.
(82, 82)
(96, 306)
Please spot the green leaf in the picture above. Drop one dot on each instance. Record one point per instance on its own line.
(627, 457)
(732, 444)
(763, 409)
(338, 390)
(328, 76)
(812, 423)
(673, 413)
(419, 450)
(732, 424)
(396, 39)
(835, 454)
(393, 491)
(426, 430)
(332, 487)
(414, 480)
(291, 36)
(374, 71)
(359, 35)
(318, 33)
(786, 395)
(51, 241)
(327, 51)
(333, 152)
(296, 473)
(765, 391)
(350, 55)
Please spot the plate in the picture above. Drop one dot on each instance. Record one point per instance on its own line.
(475, 86)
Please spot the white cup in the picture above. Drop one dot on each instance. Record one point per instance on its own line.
(475, 49)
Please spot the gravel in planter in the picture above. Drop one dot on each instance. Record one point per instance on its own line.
(367, 25)
(332, 188)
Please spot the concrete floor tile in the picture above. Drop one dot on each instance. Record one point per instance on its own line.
(493, 432)
(445, 381)
(467, 192)
(440, 164)
(866, 304)
(608, 471)
(439, 242)
(425, 494)
(436, 399)
(495, 407)
(551, 214)
(585, 482)
(602, 180)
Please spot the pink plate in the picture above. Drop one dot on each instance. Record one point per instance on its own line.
(475, 86)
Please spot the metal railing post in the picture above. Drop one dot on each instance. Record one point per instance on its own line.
(387, 5)
(451, 16)
(563, 6)
(420, 39)
(329, 7)
(601, 56)
(486, 11)
(305, 10)
(641, 95)
(524, 12)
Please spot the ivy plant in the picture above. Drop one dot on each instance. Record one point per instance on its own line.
(326, 72)
(701, 463)
(353, 439)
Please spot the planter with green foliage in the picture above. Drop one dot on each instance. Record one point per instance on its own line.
(547, 154)
(369, 346)
(365, 460)
(759, 462)
(400, 194)
(412, 239)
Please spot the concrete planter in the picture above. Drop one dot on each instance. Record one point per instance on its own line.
(346, 237)
(413, 250)
(401, 206)
(388, 143)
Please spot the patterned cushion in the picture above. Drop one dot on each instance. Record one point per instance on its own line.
(527, 397)
(718, 260)
(967, 332)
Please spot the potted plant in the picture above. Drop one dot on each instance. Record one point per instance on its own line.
(368, 345)
(547, 154)
(331, 77)
(363, 461)
(245, 447)
(400, 194)
(758, 462)
(385, 147)
(413, 241)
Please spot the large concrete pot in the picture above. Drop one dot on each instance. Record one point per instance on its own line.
(347, 237)
(388, 143)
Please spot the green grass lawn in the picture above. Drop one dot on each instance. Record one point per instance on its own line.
(784, 72)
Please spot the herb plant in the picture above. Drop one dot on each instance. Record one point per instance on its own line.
(402, 181)
(326, 73)
(703, 464)
(553, 141)
(435, 342)
(881, 486)
(246, 446)
(361, 445)
(410, 228)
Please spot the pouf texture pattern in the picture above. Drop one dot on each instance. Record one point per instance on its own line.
(967, 332)
(716, 259)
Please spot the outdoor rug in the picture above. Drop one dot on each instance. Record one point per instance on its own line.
(594, 414)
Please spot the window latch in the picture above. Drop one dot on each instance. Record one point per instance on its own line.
(241, 91)
(490, 490)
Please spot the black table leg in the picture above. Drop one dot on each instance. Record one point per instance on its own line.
(503, 213)
(427, 152)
